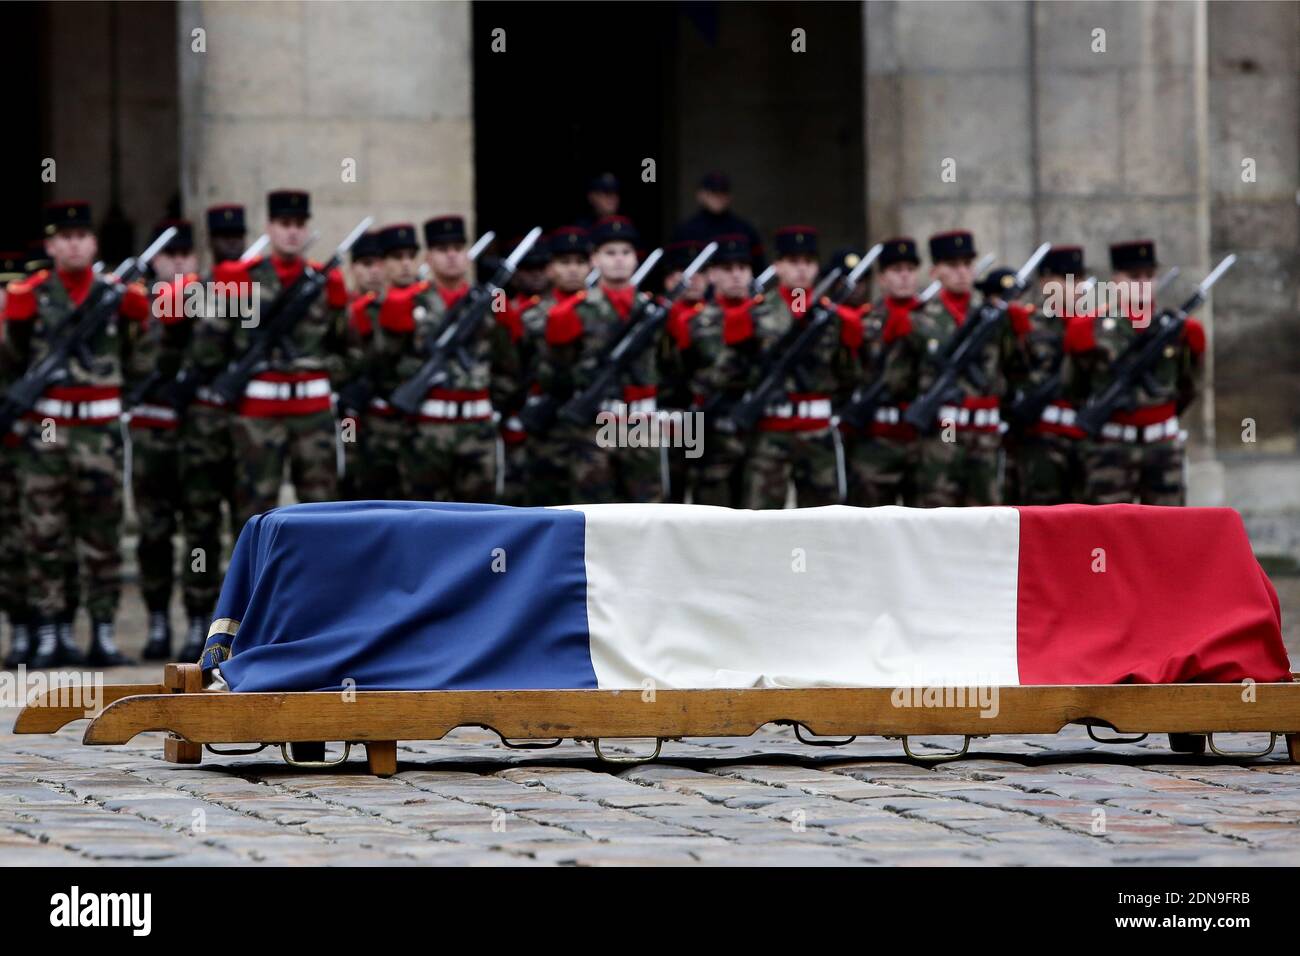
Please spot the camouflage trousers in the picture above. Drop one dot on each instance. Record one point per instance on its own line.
(1116, 472)
(546, 472)
(13, 564)
(207, 480)
(1046, 470)
(450, 461)
(602, 474)
(964, 471)
(264, 447)
(156, 490)
(805, 458)
(371, 455)
(71, 486)
(717, 477)
(880, 470)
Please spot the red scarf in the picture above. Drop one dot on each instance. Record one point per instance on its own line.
(620, 299)
(789, 296)
(287, 269)
(895, 307)
(451, 296)
(77, 284)
(956, 303)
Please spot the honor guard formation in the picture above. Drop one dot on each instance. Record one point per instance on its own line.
(567, 367)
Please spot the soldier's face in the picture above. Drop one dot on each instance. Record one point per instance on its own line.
(616, 262)
(449, 262)
(603, 203)
(955, 275)
(72, 250)
(168, 265)
(402, 266)
(898, 279)
(695, 290)
(797, 272)
(1138, 282)
(716, 203)
(227, 248)
(368, 274)
(568, 273)
(288, 235)
(532, 281)
(731, 279)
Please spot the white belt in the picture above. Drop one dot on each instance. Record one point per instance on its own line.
(100, 408)
(162, 413)
(889, 414)
(1056, 415)
(1157, 431)
(444, 408)
(287, 391)
(811, 408)
(642, 406)
(961, 416)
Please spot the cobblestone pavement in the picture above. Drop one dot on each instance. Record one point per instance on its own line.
(760, 800)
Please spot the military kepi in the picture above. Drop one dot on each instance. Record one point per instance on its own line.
(70, 214)
(399, 236)
(226, 220)
(733, 247)
(796, 241)
(444, 231)
(1062, 261)
(898, 249)
(613, 229)
(950, 246)
(1138, 254)
(569, 241)
(288, 204)
(366, 247)
(183, 241)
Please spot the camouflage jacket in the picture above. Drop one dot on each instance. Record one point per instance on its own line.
(681, 354)
(579, 331)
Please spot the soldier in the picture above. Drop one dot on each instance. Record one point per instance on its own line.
(958, 464)
(1138, 455)
(284, 417)
(13, 567)
(451, 452)
(546, 470)
(1045, 452)
(154, 434)
(675, 380)
(882, 461)
(367, 270)
(793, 441)
(71, 480)
(578, 333)
(715, 218)
(528, 289)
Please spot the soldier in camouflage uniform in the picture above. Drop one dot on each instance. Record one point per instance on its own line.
(793, 441)
(154, 432)
(530, 290)
(363, 472)
(450, 453)
(675, 393)
(578, 332)
(1045, 452)
(71, 473)
(881, 461)
(1138, 455)
(284, 418)
(546, 467)
(13, 567)
(958, 464)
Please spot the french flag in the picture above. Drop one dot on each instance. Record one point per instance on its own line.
(440, 596)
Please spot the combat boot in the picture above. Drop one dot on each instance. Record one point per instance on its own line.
(20, 643)
(195, 637)
(47, 645)
(66, 637)
(103, 647)
(159, 645)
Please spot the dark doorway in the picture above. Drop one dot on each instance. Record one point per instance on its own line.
(20, 160)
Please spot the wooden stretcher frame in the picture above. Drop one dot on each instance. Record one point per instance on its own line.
(1190, 713)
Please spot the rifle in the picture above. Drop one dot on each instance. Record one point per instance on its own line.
(282, 316)
(763, 280)
(460, 326)
(964, 347)
(1027, 407)
(783, 361)
(73, 336)
(1133, 367)
(640, 333)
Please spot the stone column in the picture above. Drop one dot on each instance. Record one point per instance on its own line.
(288, 94)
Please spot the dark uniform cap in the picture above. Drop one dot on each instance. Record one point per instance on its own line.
(444, 231)
(844, 259)
(613, 229)
(716, 182)
(538, 256)
(226, 220)
(72, 214)
(947, 246)
(796, 241)
(1062, 261)
(604, 183)
(12, 266)
(366, 247)
(898, 249)
(679, 255)
(1138, 254)
(997, 282)
(733, 247)
(400, 235)
(569, 241)
(288, 204)
(183, 241)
